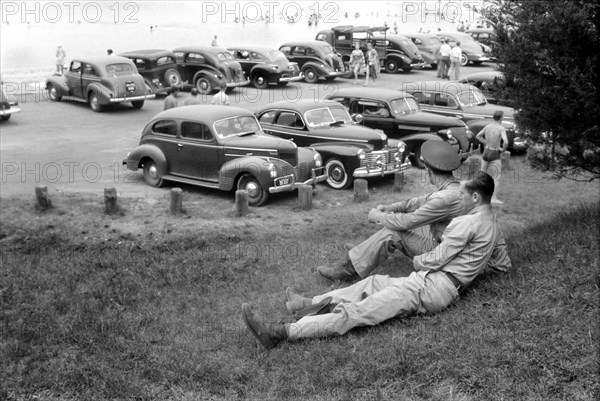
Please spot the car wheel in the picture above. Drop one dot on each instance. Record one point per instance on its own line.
(464, 60)
(53, 93)
(203, 85)
(5, 117)
(417, 162)
(259, 81)
(94, 103)
(282, 84)
(137, 104)
(337, 177)
(477, 63)
(310, 75)
(151, 174)
(407, 69)
(172, 77)
(257, 195)
(391, 66)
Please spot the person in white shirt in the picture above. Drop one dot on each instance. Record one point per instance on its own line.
(445, 51)
(221, 97)
(455, 56)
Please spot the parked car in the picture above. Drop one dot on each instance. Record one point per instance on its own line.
(428, 44)
(100, 81)
(265, 66)
(465, 102)
(9, 105)
(316, 60)
(349, 150)
(489, 83)
(157, 66)
(399, 116)
(221, 147)
(205, 67)
(472, 51)
(487, 36)
(395, 51)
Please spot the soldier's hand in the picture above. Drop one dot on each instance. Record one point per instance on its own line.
(374, 215)
(385, 208)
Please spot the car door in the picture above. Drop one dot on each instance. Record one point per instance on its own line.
(286, 124)
(164, 137)
(243, 57)
(376, 114)
(446, 104)
(197, 153)
(89, 75)
(73, 78)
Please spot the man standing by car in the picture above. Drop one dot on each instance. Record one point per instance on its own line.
(193, 98)
(491, 136)
(171, 100)
(445, 51)
(221, 98)
(455, 56)
(413, 226)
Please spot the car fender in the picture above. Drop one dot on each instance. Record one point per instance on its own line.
(102, 91)
(258, 166)
(210, 75)
(59, 82)
(399, 55)
(317, 66)
(343, 150)
(136, 156)
(266, 71)
(414, 139)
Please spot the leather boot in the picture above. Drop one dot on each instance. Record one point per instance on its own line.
(344, 272)
(294, 301)
(269, 334)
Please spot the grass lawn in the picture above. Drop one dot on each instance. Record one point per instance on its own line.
(146, 306)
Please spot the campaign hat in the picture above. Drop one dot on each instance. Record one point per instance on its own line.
(440, 156)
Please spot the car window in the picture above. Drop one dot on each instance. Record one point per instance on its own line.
(289, 119)
(119, 68)
(286, 50)
(471, 98)
(407, 105)
(166, 127)
(434, 40)
(421, 97)
(194, 130)
(310, 52)
(342, 100)
(224, 56)
(299, 51)
(140, 64)
(75, 67)
(417, 41)
(165, 60)
(236, 125)
(340, 114)
(88, 69)
(267, 117)
(445, 100)
(178, 55)
(321, 116)
(195, 58)
(256, 56)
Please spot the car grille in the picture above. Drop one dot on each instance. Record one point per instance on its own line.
(379, 157)
(289, 157)
(304, 172)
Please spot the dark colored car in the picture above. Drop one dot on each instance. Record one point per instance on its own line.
(158, 68)
(487, 36)
(266, 66)
(465, 102)
(395, 51)
(221, 147)
(205, 67)
(316, 60)
(472, 51)
(399, 116)
(349, 150)
(428, 44)
(100, 82)
(8, 105)
(489, 83)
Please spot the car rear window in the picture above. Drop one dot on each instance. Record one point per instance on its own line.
(119, 68)
(194, 130)
(165, 60)
(165, 127)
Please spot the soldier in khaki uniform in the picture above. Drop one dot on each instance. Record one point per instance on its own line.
(414, 226)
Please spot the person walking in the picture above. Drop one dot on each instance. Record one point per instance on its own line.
(61, 54)
(372, 63)
(357, 61)
(413, 226)
(445, 51)
(455, 57)
(494, 139)
(471, 243)
(192, 99)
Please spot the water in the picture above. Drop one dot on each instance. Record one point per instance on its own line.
(30, 32)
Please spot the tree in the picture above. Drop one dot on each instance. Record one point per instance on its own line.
(548, 52)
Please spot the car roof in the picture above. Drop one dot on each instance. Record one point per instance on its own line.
(201, 49)
(436, 86)
(477, 30)
(418, 35)
(193, 112)
(371, 93)
(147, 53)
(252, 48)
(312, 43)
(103, 60)
(362, 28)
(301, 105)
(483, 75)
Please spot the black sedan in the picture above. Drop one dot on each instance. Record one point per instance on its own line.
(266, 66)
(316, 59)
(158, 68)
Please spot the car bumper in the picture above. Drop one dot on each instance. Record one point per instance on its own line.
(318, 175)
(390, 168)
(292, 79)
(236, 84)
(419, 65)
(478, 58)
(131, 99)
(336, 73)
(12, 110)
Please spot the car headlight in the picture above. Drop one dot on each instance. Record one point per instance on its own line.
(401, 147)
(272, 170)
(361, 154)
(318, 160)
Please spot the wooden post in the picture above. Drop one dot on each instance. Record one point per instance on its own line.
(305, 196)
(474, 166)
(361, 190)
(505, 161)
(41, 196)
(110, 200)
(399, 181)
(176, 200)
(241, 203)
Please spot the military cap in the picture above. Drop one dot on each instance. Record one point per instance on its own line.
(440, 156)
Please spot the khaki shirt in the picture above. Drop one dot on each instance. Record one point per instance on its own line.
(436, 209)
(470, 243)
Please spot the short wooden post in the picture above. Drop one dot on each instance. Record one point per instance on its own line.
(399, 181)
(241, 203)
(361, 190)
(305, 196)
(176, 200)
(505, 161)
(474, 166)
(110, 200)
(41, 195)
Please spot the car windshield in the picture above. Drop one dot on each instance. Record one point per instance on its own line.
(276, 54)
(119, 68)
(236, 126)
(434, 40)
(404, 106)
(224, 56)
(472, 97)
(326, 116)
(327, 49)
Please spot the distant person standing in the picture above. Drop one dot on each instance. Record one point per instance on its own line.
(445, 51)
(60, 59)
(192, 99)
(109, 52)
(455, 57)
(357, 61)
(492, 135)
(171, 100)
(372, 63)
(214, 41)
(221, 97)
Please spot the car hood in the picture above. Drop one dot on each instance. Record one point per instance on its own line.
(471, 47)
(487, 110)
(434, 121)
(349, 132)
(258, 141)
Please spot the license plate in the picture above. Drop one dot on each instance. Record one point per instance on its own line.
(130, 87)
(287, 180)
